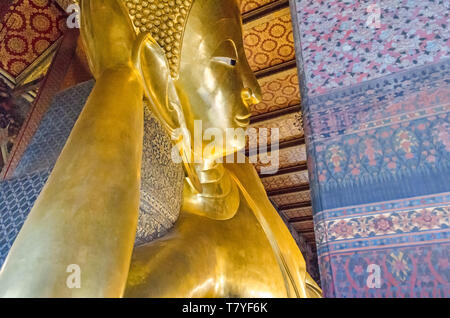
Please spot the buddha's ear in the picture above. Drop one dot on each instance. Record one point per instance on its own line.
(151, 62)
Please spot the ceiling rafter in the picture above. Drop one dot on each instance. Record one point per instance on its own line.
(275, 114)
(301, 219)
(264, 10)
(282, 145)
(276, 69)
(288, 190)
(287, 170)
(297, 205)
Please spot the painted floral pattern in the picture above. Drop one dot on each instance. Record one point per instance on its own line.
(413, 271)
(377, 113)
(340, 49)
(365, 226)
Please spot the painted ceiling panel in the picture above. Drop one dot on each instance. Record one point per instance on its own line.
(249, 5)
(303, 226)
(279, 90)
(310, 237)
(28, 29)
(286, 180)
(290, 198)
(288, 157)
(297, 213)
(270, 42)
(289, 128)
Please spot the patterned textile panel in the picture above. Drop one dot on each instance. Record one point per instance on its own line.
(376, 112)
(389, 138)
(161, 186)
(340, 50)
(408, 239)
(17, 197)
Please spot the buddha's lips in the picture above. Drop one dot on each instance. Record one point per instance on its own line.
(243, 121)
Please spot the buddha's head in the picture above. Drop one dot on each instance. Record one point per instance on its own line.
(206, 66)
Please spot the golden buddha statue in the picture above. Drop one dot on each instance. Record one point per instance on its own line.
(187, 58)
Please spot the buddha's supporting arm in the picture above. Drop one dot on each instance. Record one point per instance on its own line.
(87, 213)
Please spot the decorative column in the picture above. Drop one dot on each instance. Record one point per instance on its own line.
(375, 83)
(49, 87)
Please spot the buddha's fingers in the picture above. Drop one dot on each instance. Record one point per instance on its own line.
(108, 34)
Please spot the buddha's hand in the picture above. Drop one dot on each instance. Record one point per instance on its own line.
(108, 35)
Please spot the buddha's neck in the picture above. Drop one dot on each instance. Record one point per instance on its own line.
(220, 196)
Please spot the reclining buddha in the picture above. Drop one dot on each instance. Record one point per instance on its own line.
(186, 59)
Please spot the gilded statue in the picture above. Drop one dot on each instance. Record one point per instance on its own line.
(187, 59)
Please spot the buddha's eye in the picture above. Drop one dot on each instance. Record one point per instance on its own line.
(225, 60)
(226, 54)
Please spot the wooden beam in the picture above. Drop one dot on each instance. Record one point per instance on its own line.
(276, 69)
(301, 219)
(297, 205)
(277, 113)
(50, 87)
(283, 171)
(302, 232)
(288, 190)
(292, 143)
(27, 87)
(267, 9)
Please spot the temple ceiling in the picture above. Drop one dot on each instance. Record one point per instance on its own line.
(29, 32)
(31, 28)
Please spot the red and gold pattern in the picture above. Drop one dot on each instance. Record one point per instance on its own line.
(270, 42)
(279, 91)
(28, 29)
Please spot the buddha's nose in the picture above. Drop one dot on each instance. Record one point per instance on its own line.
(251, 94)
(249, 97)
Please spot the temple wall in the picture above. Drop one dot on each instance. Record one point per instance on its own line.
(18, 194)
(376, 108)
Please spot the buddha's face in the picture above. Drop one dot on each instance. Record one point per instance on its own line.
(215, 83)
